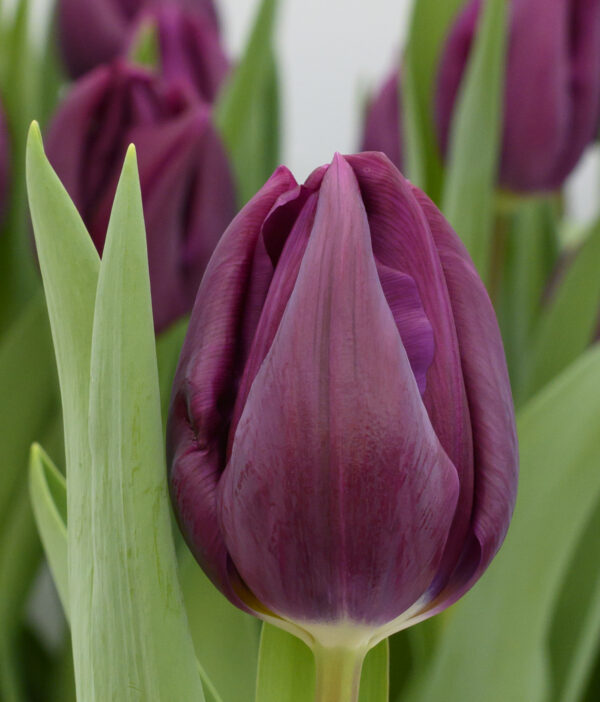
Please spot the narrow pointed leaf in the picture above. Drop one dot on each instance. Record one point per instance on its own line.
(48, 490)
(428, 28)
(247, 111)
(494, 644)
(70, 265)
(135, 602)
(475, 138)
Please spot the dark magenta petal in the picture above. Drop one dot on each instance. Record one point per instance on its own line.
(416, 332)
(452, 67)
(187, 186)
(94, 32)
(4, 163)
(205, 384)
(191, 51)
(490, 404)
(337, 499)
(552, 94)
(402, 240)
(275, 303)
(383, 126)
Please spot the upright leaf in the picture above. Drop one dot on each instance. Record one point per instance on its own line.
(493, 647)
(141, 648)
(475, 137)
(247, 111)
(70, 265)
(428, 29)
(567, 325)
(48, 490)
(28, 394)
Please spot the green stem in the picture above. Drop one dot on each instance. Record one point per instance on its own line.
(338, 674)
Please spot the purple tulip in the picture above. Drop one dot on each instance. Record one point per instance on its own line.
(341, 439)
(187, 188)
(4, 163)
(383, 126)
(552, 96)
(190, 48)
(93, 32)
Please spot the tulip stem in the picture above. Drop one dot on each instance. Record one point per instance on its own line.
(338, 674)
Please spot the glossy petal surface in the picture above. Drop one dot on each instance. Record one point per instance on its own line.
(204, 388)
(337, 499)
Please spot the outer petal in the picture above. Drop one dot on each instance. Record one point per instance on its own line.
(337, 499)
(452, 66)
(91, 32)
(538, 101)
(402, 240)
(205, 384)
(490, 403)
(583, 47)
(191, 50)
(383, 122)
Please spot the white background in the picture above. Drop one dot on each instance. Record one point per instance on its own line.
(331, 53)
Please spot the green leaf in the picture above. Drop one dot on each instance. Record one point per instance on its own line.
(70, 265)
(286, 670)
(524, 261)
(567, 325)
(28, 394)
(374, 681)
(574, 640)
(141, 648)
(225, 638)
(247, 111)
(475, 138)
(493, 646)
(428, 30)
(19, 89)
(48, 490)
(168, 348)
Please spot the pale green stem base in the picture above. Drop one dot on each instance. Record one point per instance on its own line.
(338, 674)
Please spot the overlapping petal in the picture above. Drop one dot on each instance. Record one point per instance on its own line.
(205, 385)
(337, 485)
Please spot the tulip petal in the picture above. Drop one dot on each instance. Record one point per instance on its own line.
(402, 240)
(490, 402)
(313, 537)
(415, 329)
(274, 306)
(204, 387)
(383, 128)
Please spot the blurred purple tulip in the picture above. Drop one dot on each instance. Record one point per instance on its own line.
(383, 126)
(4, 163)
(187, 189)
(552, 96)
(341, 438)
(191, 52)
(93, 32)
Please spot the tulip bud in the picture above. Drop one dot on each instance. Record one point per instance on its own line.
(341, 442)
(383, 126)
(4, 163)
(93, 32)
(190, 50)
(187, 188)
(552, 93)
